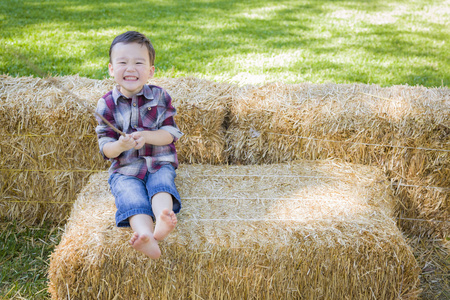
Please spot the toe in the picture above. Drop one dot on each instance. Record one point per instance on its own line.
(133, 238)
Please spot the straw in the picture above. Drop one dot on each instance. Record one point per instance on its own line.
(403, 130)
(239, 237)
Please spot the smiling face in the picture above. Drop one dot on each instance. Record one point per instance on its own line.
(130, 67)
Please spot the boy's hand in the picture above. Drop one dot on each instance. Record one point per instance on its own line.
(127, 142)
(114, 149)
(139, 138)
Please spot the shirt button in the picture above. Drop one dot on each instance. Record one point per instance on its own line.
(149, 108)
(134, 104)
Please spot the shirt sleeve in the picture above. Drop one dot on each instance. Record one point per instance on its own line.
(168, 122)
(104, 133)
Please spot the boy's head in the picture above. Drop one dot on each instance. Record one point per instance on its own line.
(134, 37)
(131, 59)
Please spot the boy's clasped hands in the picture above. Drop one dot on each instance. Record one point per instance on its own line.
(135, 140)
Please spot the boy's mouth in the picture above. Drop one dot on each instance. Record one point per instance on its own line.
(131, 78)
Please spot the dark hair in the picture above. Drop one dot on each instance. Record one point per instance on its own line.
(134, 37)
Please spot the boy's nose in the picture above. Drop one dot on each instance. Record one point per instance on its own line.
(130, 67)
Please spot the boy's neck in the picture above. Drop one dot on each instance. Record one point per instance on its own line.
(131, 95)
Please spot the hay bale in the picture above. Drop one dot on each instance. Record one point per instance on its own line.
(280, 122)
(309, 230)
(47, 148)
(45, 131)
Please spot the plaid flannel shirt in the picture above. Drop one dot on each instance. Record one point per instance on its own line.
(150, 109)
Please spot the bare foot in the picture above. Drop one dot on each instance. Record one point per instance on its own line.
(165, 224)
(146, 244)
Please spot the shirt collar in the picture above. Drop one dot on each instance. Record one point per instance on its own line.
(146, 91)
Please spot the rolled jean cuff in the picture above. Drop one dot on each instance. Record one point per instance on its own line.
(122, 220)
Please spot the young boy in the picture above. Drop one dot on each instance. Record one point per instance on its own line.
(143, 165)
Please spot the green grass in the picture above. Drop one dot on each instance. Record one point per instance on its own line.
(383, 42)
(24, 260)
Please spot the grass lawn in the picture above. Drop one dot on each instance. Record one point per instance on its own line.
(380, 41)
(24, 253)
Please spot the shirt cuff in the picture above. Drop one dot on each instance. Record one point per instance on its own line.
(173, 131)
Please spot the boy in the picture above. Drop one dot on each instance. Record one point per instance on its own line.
(143, 165)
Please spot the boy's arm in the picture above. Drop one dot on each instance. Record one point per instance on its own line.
(168, 122)
(110, 143)
(158, 137)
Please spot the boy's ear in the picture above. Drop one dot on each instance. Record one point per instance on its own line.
(152, 71)
(111, 70)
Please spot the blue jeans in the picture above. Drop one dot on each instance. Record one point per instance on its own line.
(133, 195)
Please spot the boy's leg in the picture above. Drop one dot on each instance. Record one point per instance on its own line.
(165, 200)
(134, 209)
(166, 220)
(143, 239)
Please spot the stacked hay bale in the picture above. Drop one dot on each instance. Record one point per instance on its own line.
(404, 130)
(49, 149)
(47, 146)
(308, 230)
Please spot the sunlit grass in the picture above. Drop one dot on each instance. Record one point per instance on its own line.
(383, 42)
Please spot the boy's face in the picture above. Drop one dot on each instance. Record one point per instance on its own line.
(130, 67)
